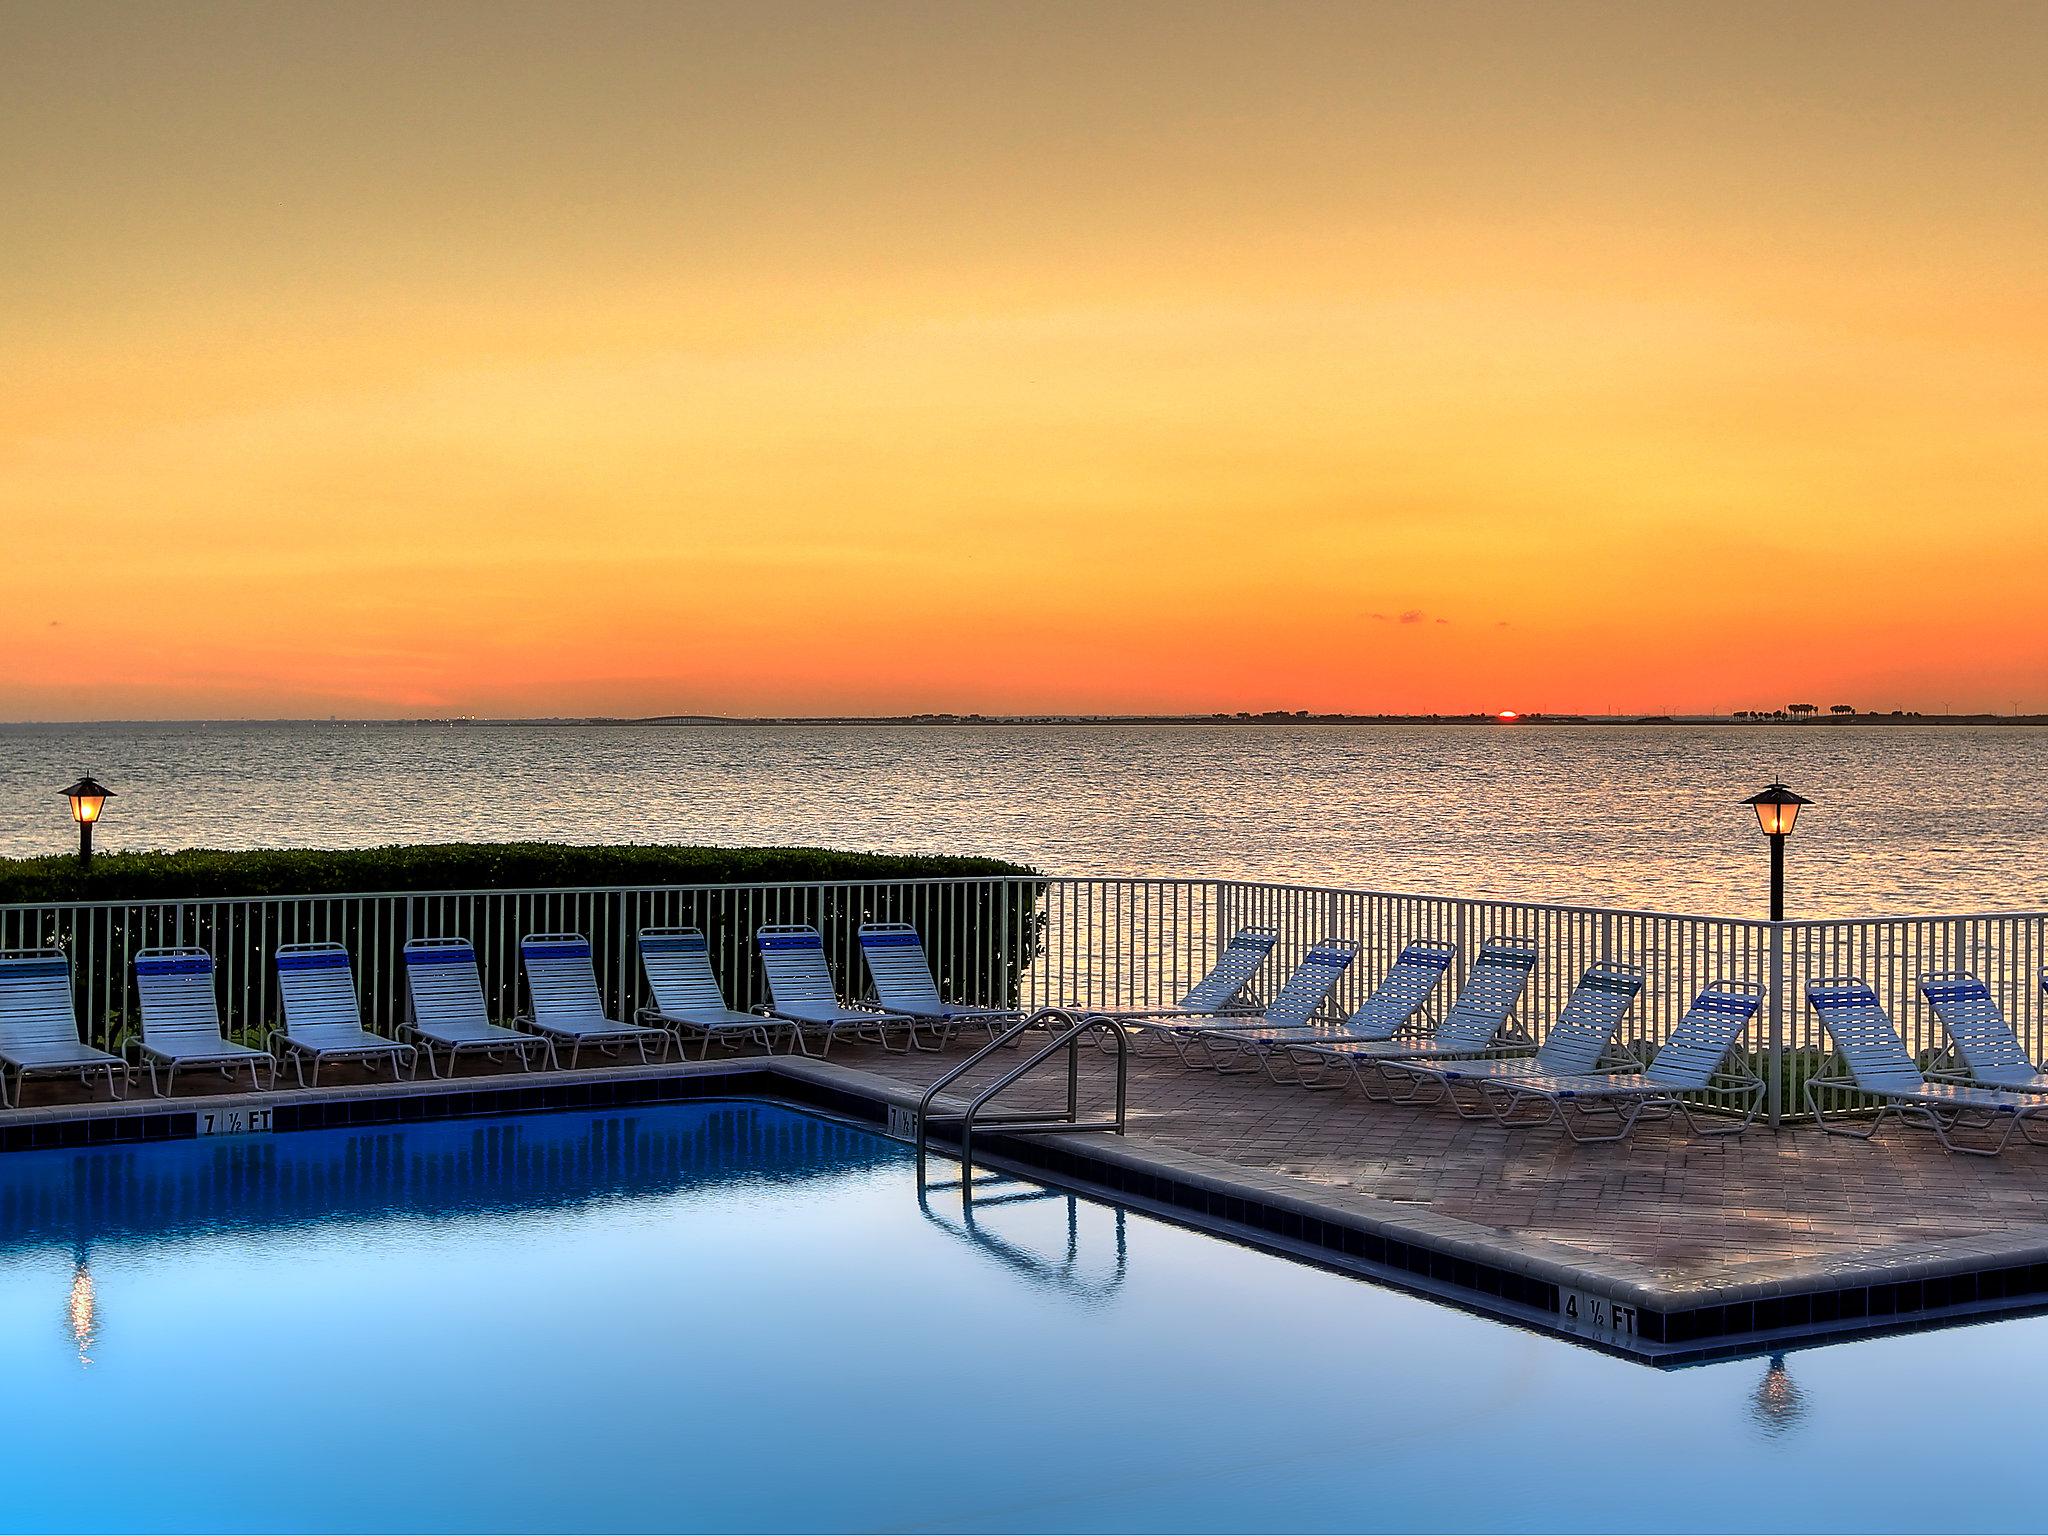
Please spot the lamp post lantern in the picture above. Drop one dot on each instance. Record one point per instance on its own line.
(1777, 808)
(88, 798)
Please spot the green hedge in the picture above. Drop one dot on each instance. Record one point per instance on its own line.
(204, 872)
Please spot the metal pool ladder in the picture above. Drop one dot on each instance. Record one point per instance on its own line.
(1067, 1026)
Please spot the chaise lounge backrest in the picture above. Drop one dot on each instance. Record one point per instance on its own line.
(36, 1006)
(1487, 1000)
(1970, 1014)
(318, 987)
(1311, 984)
(561, 978)
(1864, 1034)
(1235, 970)
(903, 977)
(442, 984)
(1701, 1042)
(1586, 1024)
(679, 974)
(175, 985)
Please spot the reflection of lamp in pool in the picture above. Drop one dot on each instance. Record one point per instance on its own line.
(1777, 1402)
(83, 1312)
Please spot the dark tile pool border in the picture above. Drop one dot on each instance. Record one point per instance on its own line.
(1527, 1281)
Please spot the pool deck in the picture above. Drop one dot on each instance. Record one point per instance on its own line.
(1721, 1245)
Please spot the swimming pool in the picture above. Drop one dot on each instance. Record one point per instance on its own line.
(736, 1316)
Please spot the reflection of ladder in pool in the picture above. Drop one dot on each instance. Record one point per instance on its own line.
(1063, 1273)
(1066, 1027)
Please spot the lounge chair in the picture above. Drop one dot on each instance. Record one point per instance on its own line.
(1481, 1020)
(561, 985)
(181, 1024)
(1701, 1056)
(39, 1026)
(1227, 988)
(1297, 1002)
(1402, 993)
(446, 998)
(322, 1020)
(1580, 1040)
(687, 998)
(801, 993)
(1879, 1065)
(904, 983)
(1981, 1044)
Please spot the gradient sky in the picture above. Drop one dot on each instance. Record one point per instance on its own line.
(498, 359)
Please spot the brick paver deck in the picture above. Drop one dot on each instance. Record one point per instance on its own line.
(1675, 1208)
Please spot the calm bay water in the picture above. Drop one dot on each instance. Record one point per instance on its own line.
(1906, 819)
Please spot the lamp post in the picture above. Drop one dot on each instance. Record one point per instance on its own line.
(1777, 808)
(88, 799)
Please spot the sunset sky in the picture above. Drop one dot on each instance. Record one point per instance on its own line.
(634, 359)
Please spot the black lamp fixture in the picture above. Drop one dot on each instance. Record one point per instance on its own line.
(88, 798)
(1777, 808)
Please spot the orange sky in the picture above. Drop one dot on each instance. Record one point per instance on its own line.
(844, 358)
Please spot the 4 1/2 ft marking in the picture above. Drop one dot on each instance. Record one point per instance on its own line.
(1596, 1316)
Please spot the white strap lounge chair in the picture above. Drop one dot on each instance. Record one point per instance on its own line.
(561, 985)
(1402, 994)
(446, 1000)
(801, 993)
(1481, 1020)
(1703, 1055)
(1981, 1044)
(322, 1020)
(1226, 989)
(1879, 1065)
(39, 1026)
(1290, 1012)
(181, 1024)
(1578, 1043)
(904, 984)
(687, 997)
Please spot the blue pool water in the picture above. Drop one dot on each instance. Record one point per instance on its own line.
(734, 1316)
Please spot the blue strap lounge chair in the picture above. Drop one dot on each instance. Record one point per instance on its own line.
(1482, 1019)
(1878, 1065)
(39, 1027)
(801, 993)
(1981, 1044)
(1703, 1055)
(445, 997)
(561, 988)
(1403, 993)
(322, 1020)
(904, 983)
(687, 997)
(1290, 1013)
(1579, 1042)
(181, 1024)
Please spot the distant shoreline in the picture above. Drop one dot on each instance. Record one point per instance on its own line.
(1271, 718)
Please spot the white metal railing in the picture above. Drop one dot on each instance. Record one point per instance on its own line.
(1088, 942)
